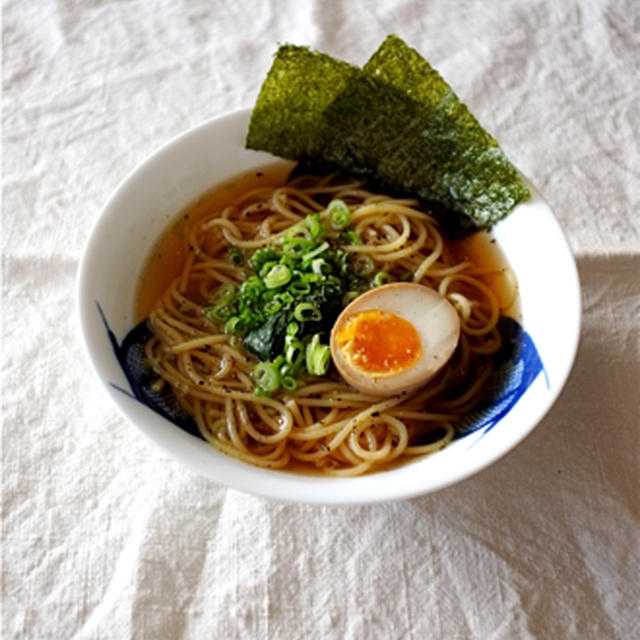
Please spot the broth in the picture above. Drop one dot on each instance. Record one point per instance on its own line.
(170, 252)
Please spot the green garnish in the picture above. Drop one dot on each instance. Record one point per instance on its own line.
(277, 276)
(395, 122)
(306, 311)
(338, 214)
(285, 309)
(382, 277)
(235, 255)
(318, 356)
(363, 264)
(266, 376)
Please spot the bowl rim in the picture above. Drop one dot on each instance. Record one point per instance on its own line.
(283, 485)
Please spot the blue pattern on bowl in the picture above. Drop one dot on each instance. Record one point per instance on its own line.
(519, 364)
(514, 375)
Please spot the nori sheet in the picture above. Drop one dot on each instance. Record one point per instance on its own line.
(395, 122)
(287, 119)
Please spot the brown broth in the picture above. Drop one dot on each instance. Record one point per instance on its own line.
(481, 249)
(170, 252)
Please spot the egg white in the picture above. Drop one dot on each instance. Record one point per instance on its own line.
(435, 321)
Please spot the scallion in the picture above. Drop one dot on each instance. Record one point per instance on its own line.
(306, 311)
(316, 228)
(294, 353)
(338, 214)
(289, 383)
(278, 276)
(363, 264)
(299, 287)
(308, 257)
(225, 293)
(266, 267)
(272, 306)
(353, 237)
(266, 377)
(318, 356)
(219, 312)
(320, 266)
(251, 288)
(233, 326)
(349, 296)
(261, 256)
(382, 277)
(235, 255)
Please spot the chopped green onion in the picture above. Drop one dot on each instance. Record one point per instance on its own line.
(338, 214)
(332, 280)
(298, 230)
(406, 276)
(294, 353)
(250, 317)
(299, 287)
(318, 356)
(382, 277)
(235, 255)
(342, 261)
(293, 328)
(278, 276)
(233, 326)
(296, 247)
(306, 311)
(312, 278)
(285, 370)
(319, 266)
(363, 264)
(297, 240)
(266, 376)
(307, 257)
(252, 288)
(352, 237)
(260, 257)
(267, 266)
(272, 306)
(289, 383)
(225, 293)
(316, 228)
(219, 312)
(285, 297)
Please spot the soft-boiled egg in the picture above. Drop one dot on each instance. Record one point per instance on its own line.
(394, 338)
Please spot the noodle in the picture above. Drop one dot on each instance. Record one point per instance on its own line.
(324, 424)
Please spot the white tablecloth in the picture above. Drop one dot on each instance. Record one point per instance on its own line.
(104, 537)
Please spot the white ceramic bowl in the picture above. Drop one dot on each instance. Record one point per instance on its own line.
(167, 181)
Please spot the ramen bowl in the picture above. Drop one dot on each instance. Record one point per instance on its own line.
(142, 207)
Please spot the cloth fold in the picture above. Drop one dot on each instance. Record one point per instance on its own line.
(105, 537)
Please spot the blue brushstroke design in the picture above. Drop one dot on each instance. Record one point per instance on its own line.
(518, 365)
(141, 377)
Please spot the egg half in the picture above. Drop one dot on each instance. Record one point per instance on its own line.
(394, 338)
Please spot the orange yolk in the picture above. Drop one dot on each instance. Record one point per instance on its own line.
(379, 342)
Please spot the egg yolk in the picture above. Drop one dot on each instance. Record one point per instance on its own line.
(379, 342)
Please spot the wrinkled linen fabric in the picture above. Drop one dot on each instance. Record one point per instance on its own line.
(103, 536)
